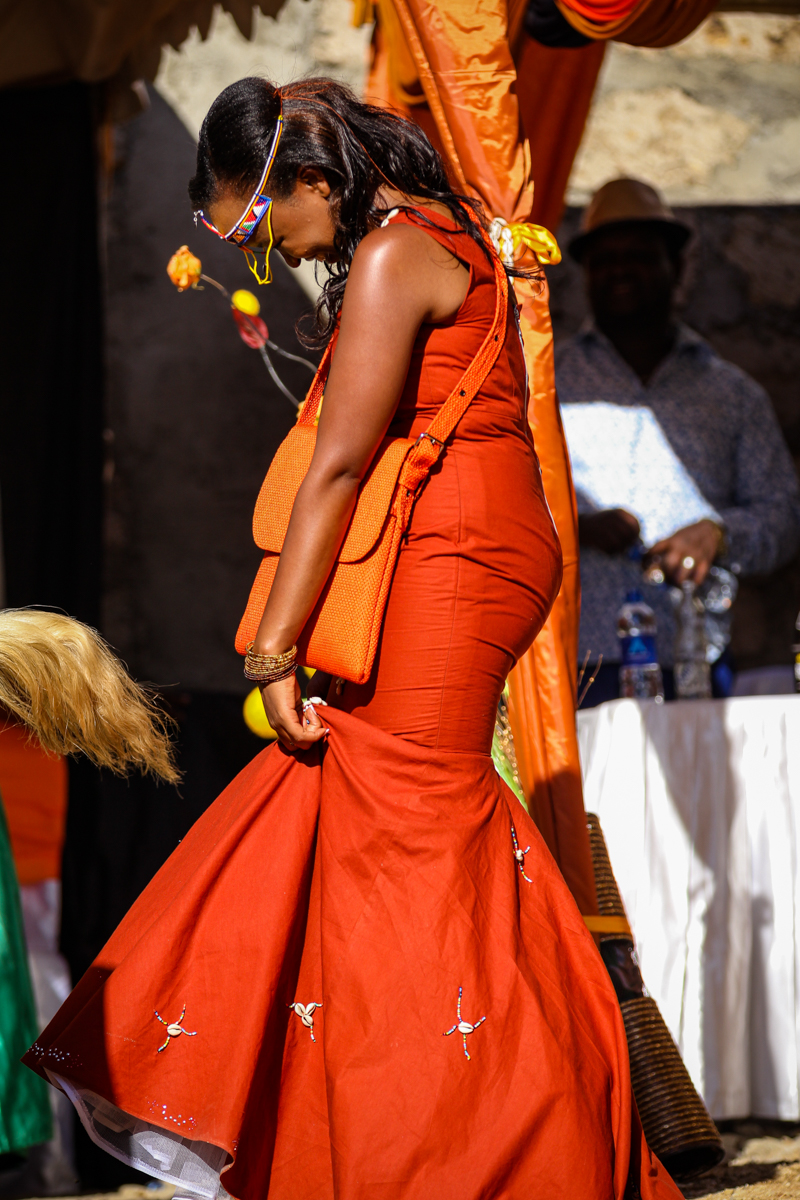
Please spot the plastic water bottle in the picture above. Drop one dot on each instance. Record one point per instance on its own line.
(639, 674)
(717, 595)
(692, 670)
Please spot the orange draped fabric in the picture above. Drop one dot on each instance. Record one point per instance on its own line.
(33, 786)
(471, 88)
(604, 11)
(467, 74)
(555, 89)
(647, 23)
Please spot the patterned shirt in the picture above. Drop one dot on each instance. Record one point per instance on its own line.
(700, 439)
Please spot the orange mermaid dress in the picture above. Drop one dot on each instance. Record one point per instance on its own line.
(360, 974)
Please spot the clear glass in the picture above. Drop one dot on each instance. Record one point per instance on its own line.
(717, 594)
(692, 670)
(693, 680)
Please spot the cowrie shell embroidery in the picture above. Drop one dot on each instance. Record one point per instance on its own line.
(519, 855)
(306, 1014)
(463, 1027)
(174, 1029)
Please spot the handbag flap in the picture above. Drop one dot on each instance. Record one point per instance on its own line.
(288, 470)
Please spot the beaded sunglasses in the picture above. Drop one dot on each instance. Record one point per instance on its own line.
(260, 206)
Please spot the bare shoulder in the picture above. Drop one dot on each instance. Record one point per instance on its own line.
(406, 262)
(393, 246)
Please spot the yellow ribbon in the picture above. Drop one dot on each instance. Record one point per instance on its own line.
(608, 925)
(536, 238)
(508, 236)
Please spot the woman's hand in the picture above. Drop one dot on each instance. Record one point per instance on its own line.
(283, 703)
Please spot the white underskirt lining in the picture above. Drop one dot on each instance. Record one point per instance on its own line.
(194, 1167)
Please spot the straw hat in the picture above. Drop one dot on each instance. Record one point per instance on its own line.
(621, 202)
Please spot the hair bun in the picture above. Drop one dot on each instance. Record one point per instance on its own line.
(274, 100)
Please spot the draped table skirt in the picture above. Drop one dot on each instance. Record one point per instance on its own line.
(700, 805)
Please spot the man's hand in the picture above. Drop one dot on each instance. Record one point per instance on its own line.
(697, 545)
(613, 531)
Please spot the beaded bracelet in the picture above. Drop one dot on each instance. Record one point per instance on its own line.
(269, 668)
(271, 660)
(260, 677)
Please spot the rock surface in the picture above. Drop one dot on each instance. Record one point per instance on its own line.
(712, 120)
(762, 1163)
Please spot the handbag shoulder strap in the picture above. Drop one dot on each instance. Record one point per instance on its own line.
(310, 406)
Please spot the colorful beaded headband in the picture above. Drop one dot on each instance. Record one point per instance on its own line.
(259, 207)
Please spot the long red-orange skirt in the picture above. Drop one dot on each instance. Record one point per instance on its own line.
(361, 976)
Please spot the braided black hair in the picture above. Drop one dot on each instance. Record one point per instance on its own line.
(358, 147)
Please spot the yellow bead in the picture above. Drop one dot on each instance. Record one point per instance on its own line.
(246, 302)
(255, 718)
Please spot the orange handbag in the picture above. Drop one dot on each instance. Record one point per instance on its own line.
(341, 635)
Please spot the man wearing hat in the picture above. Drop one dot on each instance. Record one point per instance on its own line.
(677, 455)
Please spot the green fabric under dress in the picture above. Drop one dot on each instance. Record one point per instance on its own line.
(25, 1118)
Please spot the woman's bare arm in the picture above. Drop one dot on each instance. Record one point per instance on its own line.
(399, 278)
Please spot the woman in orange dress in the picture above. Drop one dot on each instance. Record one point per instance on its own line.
(361, 975)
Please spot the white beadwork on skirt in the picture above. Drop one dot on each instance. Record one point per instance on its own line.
(463, 1027)
(519, 855)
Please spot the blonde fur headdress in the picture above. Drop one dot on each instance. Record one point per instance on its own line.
(60, 679)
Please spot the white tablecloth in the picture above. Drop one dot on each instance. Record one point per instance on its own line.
(700, 805)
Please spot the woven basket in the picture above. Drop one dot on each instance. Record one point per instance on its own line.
(608, 898)
(675, 1120)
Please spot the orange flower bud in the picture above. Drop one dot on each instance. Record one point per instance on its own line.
(184, 269)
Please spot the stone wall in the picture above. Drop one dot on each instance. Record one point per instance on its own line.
(713, 120)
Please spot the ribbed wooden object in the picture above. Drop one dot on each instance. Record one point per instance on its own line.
(609, 900)
(675, 1120)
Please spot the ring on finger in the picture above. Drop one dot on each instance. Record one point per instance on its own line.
(688, 562)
